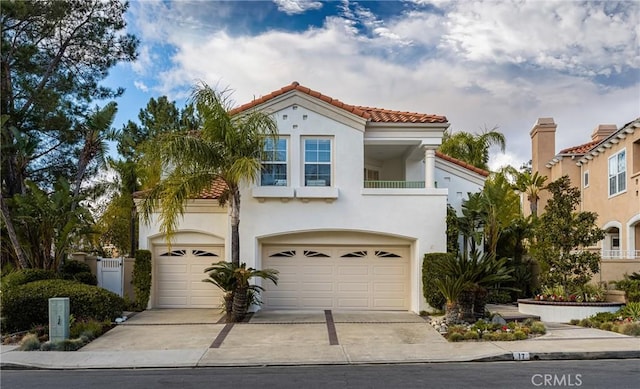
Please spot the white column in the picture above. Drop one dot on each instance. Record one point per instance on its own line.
(429, 167)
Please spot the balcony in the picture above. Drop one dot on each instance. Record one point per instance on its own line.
(380, 184)
(619, 254)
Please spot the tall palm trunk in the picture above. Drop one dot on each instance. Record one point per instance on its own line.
(13, 237)
(235, 226)
(452, 312)
(240, 303)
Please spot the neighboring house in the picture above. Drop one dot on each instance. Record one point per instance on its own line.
(607, 171)
(348, 202)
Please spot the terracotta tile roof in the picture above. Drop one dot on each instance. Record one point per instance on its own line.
(465, 165)
(580, 149)
(214, 192)
(369, 113)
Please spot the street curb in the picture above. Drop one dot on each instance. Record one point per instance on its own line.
(557, 356)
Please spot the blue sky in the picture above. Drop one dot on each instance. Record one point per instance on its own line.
(481, 64)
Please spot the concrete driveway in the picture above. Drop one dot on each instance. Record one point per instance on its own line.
(179, 329)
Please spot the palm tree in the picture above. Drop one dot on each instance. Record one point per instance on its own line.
(221, 274)
(226, 148)
(244, 292)
(531, 185)
(502, 207)
(472, 148)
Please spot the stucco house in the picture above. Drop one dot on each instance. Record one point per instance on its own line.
(346, 207)
(606, 169)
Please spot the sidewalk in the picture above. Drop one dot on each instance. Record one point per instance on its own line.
(365, 339)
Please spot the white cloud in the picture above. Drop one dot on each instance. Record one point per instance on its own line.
(292, 7)
(140, 85)
(481, 65)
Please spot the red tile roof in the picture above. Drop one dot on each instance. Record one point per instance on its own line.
(465, 165)
(369, 113)
(212, 193)
(580, 149)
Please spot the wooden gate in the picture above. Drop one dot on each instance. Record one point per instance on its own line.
(110, 275)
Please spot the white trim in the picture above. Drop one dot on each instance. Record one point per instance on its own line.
(631, 236)
(619, 192)
(585, 179)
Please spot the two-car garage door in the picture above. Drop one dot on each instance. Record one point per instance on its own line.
(178, 276)
(329, 277)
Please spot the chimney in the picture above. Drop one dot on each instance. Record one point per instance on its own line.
(543, 144)
(603, 131)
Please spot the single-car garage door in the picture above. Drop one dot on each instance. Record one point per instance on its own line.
(349, 278)
(178, 276)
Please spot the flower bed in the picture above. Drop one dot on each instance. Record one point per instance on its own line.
(495, 330)
(564, 311)
(625, 321)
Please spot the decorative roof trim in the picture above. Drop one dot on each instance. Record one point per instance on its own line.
(612, 139)
(463, 164)
(379, 115)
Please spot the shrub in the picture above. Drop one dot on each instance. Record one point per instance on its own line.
(489, 336)
(65, 345)
(574, 322)
(607, 326)
(456, 337)
(28, 304)
(538, 328)
(74, 267)
(499, 297)
(585, 323)
(631, 310)
(520, 335)
(506, 336)
(30, 342)
(430, 273)
(142, 278)
(631, 287)
(471, 335)
(24, 276)
(631, 329)
(89, 328)
(85, 278)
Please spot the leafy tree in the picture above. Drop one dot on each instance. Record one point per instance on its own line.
(53, 55)
(119, 221)
(472, 148)
(227, 148)
(561, 237)
(501, 207)
(453, 231)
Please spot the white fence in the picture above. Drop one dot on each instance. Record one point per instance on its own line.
(110, 274)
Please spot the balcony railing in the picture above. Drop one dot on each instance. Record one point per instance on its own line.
(619, 254)
(377, 184)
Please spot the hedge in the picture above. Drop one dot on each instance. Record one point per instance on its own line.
(24, 276)
(28, 305)
(78, 271)
(429, 275)
(142, 278)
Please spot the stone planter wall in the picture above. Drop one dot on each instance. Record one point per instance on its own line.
(564, 312)
(616, 296)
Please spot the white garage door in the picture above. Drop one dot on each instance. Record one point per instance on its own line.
(348, 278)
(178, 277)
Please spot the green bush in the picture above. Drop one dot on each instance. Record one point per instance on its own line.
(142, 278)
(631, 287)
(631, 329)
(29, 342)
(607, 326)
(24, 276)
(632, 310)
(430, 274)
(538, 328)
(89, 328)
(78, 271)
(489, 336)
(471, 335)
(520, 335)
(28, 305)
(456, 337)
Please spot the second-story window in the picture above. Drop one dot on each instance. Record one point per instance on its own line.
(317, 162)
(617, 173)
(274, 163)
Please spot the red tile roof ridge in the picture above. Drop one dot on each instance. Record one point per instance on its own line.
(213, 192)
(369, 113)
(463, 164)
(580, 149)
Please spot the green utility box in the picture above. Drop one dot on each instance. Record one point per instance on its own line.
(58, 318)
